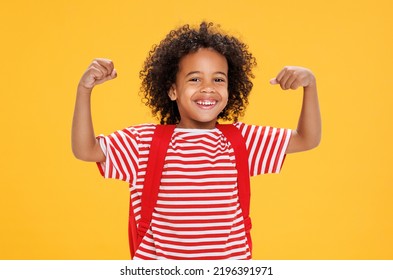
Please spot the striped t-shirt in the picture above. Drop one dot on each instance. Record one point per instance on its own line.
(198, 215)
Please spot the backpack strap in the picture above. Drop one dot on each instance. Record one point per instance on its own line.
(236, 139)
(155, 165)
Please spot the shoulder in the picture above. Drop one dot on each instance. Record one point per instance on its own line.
(138, 133)
(140, 129)
(245, 126)
(260, 131)
(247, 129)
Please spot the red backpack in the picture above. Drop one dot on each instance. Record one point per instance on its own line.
(158, 149)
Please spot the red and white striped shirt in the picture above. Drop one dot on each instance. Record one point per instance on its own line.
(198, 215)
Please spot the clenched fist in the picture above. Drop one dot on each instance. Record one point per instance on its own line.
(292, 77)
(99, 71)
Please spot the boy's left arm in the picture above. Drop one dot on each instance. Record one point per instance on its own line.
(308, 133)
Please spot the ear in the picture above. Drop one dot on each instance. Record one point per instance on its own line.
(172, 93)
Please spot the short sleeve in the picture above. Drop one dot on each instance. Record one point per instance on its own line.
(266, 147)
(121, 152)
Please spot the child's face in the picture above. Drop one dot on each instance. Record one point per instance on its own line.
(201, 88)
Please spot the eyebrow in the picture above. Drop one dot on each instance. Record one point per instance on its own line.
(198, 72)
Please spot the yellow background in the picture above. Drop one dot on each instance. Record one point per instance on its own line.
(335, 202)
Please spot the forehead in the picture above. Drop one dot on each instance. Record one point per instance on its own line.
(204, 60)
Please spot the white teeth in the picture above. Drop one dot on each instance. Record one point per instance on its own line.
(206, 103)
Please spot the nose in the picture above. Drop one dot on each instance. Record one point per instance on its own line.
(207, 88)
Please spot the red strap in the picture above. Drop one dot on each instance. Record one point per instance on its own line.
(158, 149)
(132, 231)
(236, 139)
(155, 165)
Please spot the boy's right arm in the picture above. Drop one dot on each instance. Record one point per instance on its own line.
(85, 146)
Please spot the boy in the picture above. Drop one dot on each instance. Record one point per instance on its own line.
(192, 79)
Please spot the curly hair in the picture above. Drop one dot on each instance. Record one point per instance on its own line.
(161, 66)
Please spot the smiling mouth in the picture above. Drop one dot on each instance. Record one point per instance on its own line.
(206, 103)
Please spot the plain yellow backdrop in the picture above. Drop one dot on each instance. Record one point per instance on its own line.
(334, 202)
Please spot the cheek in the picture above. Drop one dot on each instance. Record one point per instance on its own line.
(225, 101)
(226, 97)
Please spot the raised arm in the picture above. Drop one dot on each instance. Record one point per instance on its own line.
(84, 144)
(308, 133)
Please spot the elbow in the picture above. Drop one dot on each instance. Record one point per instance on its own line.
(85, 157)
(80, 154)
(312, 143)
(89, 155)
(301, 143)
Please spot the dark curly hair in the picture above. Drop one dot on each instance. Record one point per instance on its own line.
(161, 66)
